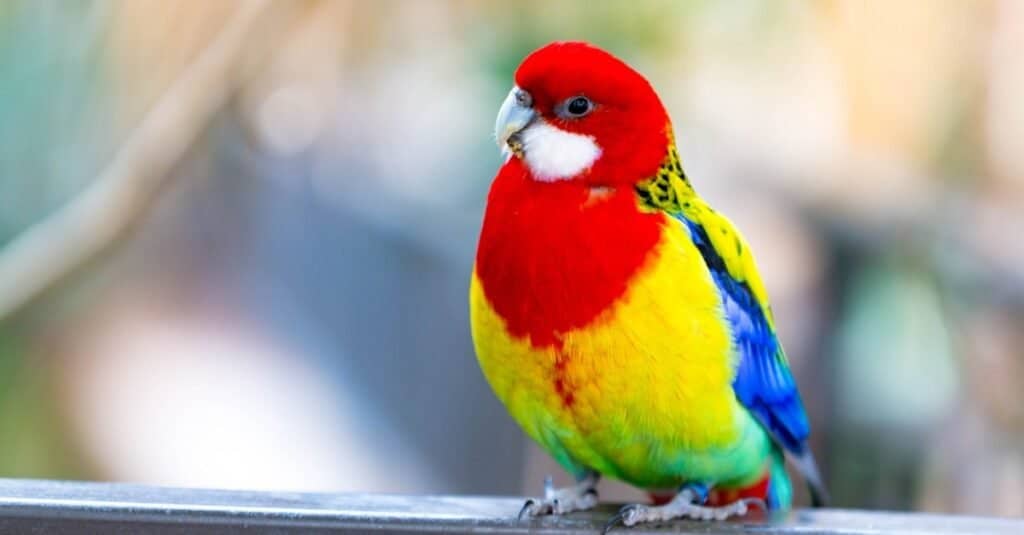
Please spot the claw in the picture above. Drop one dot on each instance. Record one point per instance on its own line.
(526, 508)
(682, 507)
(626, 516)
(632, 513)
(612, 522)
(560, 501)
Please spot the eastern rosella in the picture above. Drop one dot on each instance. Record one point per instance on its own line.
(619, 318)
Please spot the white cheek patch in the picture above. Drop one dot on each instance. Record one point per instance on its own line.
(553, 154)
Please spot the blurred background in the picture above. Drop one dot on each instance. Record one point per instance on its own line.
(236, 237)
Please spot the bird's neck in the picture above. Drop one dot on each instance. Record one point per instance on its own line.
(669, 189)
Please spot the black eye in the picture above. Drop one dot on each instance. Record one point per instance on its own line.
(577, 107)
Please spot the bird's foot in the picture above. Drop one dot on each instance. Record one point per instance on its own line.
(579, 497)
(687, 504)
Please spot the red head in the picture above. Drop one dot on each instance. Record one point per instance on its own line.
(579, 113)
(555, 252)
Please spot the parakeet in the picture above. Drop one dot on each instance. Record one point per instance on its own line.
(619, 318)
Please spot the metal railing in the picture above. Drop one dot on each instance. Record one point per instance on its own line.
(33, 506)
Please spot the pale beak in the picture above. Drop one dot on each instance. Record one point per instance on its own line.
(516, 114)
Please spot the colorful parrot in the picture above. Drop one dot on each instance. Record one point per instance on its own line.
(621, 319)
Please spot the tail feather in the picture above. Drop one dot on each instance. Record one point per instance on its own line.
(809, 470)
(780, 490)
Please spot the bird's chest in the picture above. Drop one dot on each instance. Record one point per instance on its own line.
(652, 369)
(554, 257)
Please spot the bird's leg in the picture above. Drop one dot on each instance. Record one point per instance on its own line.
(578, 497)
(689, 503)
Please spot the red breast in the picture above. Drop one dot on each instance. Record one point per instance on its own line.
(554, 256)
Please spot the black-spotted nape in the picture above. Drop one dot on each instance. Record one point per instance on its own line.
(667, 190)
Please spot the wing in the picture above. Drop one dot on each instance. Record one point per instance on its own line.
(763, 383)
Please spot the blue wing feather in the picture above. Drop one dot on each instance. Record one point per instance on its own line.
(763, 383)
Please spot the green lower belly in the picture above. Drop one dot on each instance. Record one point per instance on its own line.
(645, 460)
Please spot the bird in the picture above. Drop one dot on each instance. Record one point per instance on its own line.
(619, 318)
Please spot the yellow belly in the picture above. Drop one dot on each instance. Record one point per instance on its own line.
(642, 393)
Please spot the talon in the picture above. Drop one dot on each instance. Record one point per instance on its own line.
(526, 509)
(681, 507)
(631, 514)
(626, 516)
(560, 501)
(612, 522)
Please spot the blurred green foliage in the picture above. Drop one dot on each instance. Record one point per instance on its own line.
(52, 94)
(36, 437)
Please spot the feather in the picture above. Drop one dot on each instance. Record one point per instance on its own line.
(763, 382)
